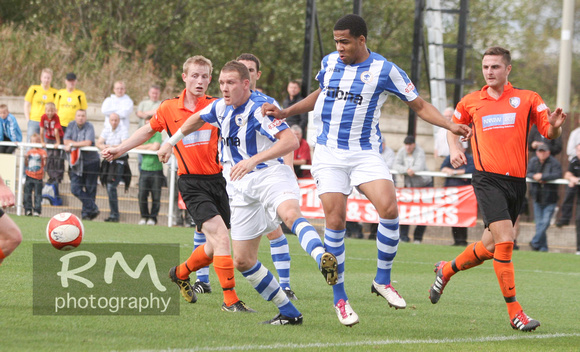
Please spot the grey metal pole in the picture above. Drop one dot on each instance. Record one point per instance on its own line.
(565, 65)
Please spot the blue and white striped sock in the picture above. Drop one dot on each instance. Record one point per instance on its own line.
(387, 245)
(267, 286)
(203, 273)
(334, 243)
(281, 258)
(309, 238)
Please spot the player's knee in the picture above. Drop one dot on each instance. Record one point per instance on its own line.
(389, 211)
(13, 239)
(243, 263)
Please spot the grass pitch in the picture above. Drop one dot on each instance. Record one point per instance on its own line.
(471, 315)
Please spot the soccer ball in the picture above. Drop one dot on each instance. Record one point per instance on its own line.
(65, 231)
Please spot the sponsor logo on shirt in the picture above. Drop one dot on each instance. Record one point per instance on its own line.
(339, 94)
(333, 69)
(197, 137)
(274, 124)
(515, 102)
(232, 141)
(498, 121)
(541, 107)
(409, 87)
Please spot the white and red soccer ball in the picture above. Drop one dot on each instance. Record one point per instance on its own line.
(65, 231)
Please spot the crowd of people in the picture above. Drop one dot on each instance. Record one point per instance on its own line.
(247, 188)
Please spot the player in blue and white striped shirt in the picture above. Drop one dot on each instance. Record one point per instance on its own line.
(264, 189)
(354, 84)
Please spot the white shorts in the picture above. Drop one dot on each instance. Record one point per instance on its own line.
(255, 198)
(337, 170)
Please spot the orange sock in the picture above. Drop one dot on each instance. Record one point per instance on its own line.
(504, 270)
(224, 268)
(197, 260)
(472, 256)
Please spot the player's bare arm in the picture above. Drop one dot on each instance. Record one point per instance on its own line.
(140, 136)
(456, 155)
(303, 106)
(429, 113)
(287, 143)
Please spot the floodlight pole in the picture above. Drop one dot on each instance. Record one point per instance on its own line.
(564, 75)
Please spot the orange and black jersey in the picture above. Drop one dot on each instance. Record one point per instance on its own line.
(196, 153)
(500, 128)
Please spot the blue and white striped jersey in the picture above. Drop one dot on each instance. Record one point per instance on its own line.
(245, 131)
(348, 108)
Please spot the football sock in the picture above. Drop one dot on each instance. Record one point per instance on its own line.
(267, 286)
(473, 255)
(203, 273)
(281, 258)
(334, 243)
(387, 245)
(309, 238)
(504, 270)
(224, 268)
(198, 259)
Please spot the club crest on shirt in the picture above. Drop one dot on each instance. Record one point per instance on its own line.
(69, 99)
(515, 102)
(366, 77)
(240, 120)
(44, 97)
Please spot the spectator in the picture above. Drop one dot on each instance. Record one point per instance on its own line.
(112, 171)
(9, 130)
(83, 166)
(119, 103)
(409, 160)
(302, 154)
(535, 139)
(568, 202)
(293, 97)
(35, 99)
(147, 107)
(441, 148)
(34, 168)
(51, 132)
(573, 176)
(151, 179)
(543, 167)
(388, 154)
(69, 100)
(459, 233)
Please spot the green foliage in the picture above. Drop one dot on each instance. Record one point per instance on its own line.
(146, 41)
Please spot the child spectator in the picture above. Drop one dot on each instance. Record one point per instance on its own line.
(51, 132)
(9, 130)
(34, 166)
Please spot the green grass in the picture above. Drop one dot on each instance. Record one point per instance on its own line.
(471, 315)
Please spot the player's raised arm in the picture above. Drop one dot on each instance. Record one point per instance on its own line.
(303, 106)
(429, 113)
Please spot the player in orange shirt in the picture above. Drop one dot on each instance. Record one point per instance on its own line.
(501, 116)
(201, 182)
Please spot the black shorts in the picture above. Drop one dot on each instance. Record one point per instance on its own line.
(499, 197)
(205, 196)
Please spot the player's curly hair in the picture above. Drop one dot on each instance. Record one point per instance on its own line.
(354, 23)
